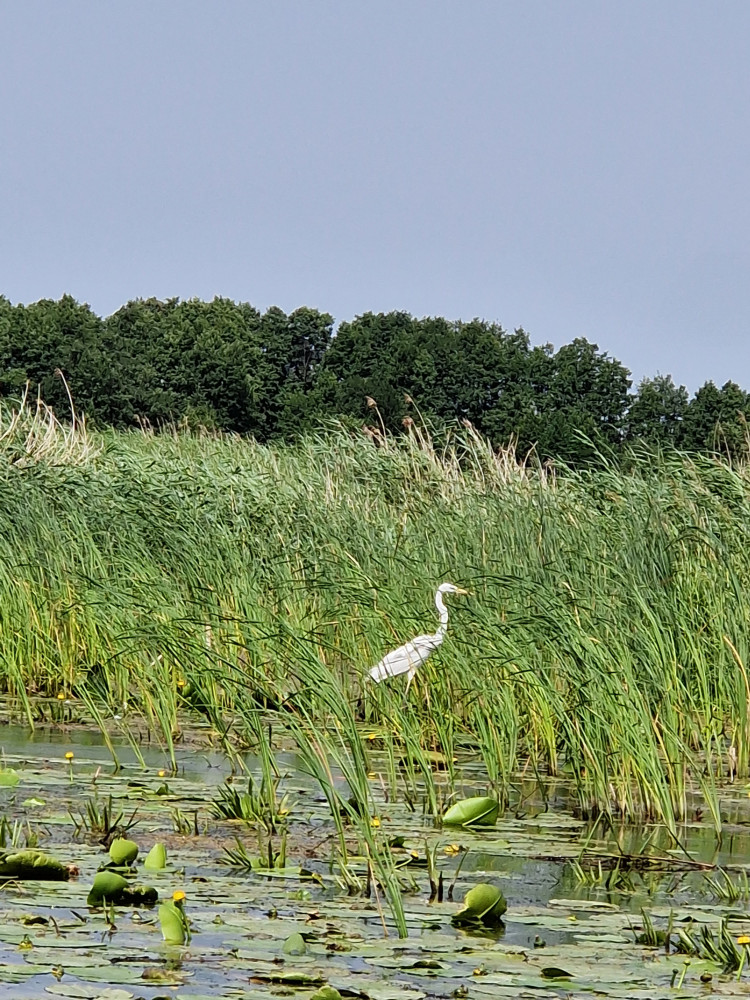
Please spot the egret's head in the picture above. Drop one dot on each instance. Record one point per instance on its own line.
(451, 588)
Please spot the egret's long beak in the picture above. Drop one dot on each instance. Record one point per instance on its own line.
(460, 590)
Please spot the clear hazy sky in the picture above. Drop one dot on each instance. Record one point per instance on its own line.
(578, 168)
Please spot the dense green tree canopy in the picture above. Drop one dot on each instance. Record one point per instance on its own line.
(224, 365)
(657, 412)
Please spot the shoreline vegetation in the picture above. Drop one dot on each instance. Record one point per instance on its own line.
(145, 576)
(226, 366)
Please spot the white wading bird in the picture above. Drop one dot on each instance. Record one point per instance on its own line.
(411, 655)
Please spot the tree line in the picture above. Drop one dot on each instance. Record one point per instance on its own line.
(226, 365)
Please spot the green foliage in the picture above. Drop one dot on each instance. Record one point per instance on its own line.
(41, 340)
(156, 859)
(175, 925)
(34, 864)
(656, 413)
(259, 805)
(484, 904)
(123, 852)
(716, 420)
(479, 810)
(109, 887)
(224, 366)
(719, 946)
(103, 818)
(607, 636)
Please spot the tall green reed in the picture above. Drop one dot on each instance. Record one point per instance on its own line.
(607, 638)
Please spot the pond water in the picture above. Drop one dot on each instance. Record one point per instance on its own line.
(53, 944)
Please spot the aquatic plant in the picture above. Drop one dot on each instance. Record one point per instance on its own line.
(727, 890)
(123, 852)
(718, 946)
(34, 864)
(608, 639)
(156, 859)
(103, 818)
(483, 904)
(479, 810)
(17, 834)
(175, 925)
(258, 805)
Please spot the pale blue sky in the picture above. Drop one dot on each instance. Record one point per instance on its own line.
(577, 168)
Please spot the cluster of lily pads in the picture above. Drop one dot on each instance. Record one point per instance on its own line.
(298, 925)
(112, 885)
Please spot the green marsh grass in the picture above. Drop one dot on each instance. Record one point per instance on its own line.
(606, 640)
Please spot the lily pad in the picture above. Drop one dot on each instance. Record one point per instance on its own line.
(484, 904)
(174, 924)
(33, 864)
(156, 859)
(109, 887)
(552, 972)
(326, 993)
(479, 810)
(123, 852)
(79, 991)
(295, 945)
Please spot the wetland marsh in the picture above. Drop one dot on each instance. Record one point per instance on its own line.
(242, 920)
(193, 620)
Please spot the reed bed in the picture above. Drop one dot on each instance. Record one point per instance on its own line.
(606, 640)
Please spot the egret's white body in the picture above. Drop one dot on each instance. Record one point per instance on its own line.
(407, 658)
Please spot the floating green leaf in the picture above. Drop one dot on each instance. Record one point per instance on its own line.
(107, 886)
(79, 991)
(552, 972)
(156, 859)
(295, 944)
(479, 810)
(326, 993)
(33, 864)
(175, 928)
(484, 903)
(123, 852)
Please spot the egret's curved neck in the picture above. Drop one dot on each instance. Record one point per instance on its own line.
(442, 611)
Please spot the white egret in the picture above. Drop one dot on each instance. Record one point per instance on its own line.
(411, 655)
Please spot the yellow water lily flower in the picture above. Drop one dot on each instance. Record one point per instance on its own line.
(452, 849)
(743, 939)
(178, 897)
(375, 821)
(61, 697)
(69, 755)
